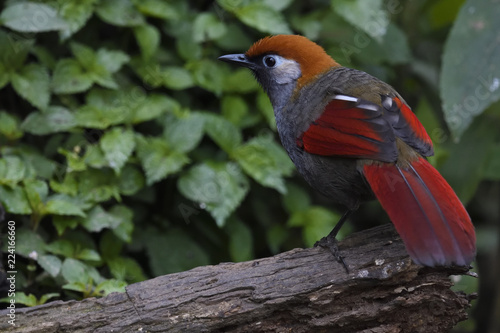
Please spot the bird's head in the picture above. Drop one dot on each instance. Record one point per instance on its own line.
(283, 63)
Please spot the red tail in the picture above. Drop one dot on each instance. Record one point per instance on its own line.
(428, 215)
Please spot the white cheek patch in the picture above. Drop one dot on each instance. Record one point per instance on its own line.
(287, 71)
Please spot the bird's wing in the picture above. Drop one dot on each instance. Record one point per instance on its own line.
(356, 128)
(351, 127)
(406, 125)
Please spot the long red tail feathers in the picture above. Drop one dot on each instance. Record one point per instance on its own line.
(429, 217)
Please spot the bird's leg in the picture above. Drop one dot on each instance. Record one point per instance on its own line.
(330, 241)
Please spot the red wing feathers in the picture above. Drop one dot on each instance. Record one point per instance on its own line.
(353, 128)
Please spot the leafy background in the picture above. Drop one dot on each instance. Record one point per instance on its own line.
(128, 151)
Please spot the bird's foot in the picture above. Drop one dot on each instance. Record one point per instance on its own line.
(331, 244)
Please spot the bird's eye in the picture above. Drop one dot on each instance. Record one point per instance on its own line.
(269, 61)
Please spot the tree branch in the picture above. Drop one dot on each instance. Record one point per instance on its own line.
(302, 290)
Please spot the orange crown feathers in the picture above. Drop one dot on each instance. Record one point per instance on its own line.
(312, 58)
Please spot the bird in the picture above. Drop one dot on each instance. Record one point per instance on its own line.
(353, 138)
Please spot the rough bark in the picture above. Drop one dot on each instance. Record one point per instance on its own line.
(303, 290)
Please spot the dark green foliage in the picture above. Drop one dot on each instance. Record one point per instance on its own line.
(128, 151)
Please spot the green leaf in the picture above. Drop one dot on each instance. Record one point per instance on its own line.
(14, 200)
(59, 205)
(368, 15)
(184, 133)
(28, 300)
(220, 187)
(51, 264)
(70, 77)
(265, 161)
(208, 75)
(75, 162)
(278, 5)
(187, 48)
(94, 157)
(61, 223)
(76, 14)
(152, 107)
(131, 180)
(124, 230)
(33, 84)
(88, 255)
(469, 86)
(110, 286)
(62, 204)
(224, 133)
(29, 242)
(463, 170)
(442, 13)
(240, 81)
(9, 126)
(150, 73)
(14, 49)
(62, 247)
(104, 79)
(176, 78)
(111, 60)
(69, 185)
(234, 109)
(126, 269)
(109, 99)
(235, 38)
(395, 46)
(98, 185)
(12, 170)
(316, 221)
(44, 56)
(32, 17)
(230, 5)
(120, 13)
(75, 271)
(173, 251)
(263, 18)
(207, 26)
(91, 116)
(266, 108)
(240, 240)
(308, 25)
(44, 167)
(296, 199)
(84, 55)
(46, 297)
(117, 145)
(101, 64)
(36, 192)
(77, 286)
(98, 219)
(15, 155)
(54, 119)
(157, 8)
(148, 38)
(492, 169)
(158, 159)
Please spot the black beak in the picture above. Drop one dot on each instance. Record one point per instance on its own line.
(238, 59)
